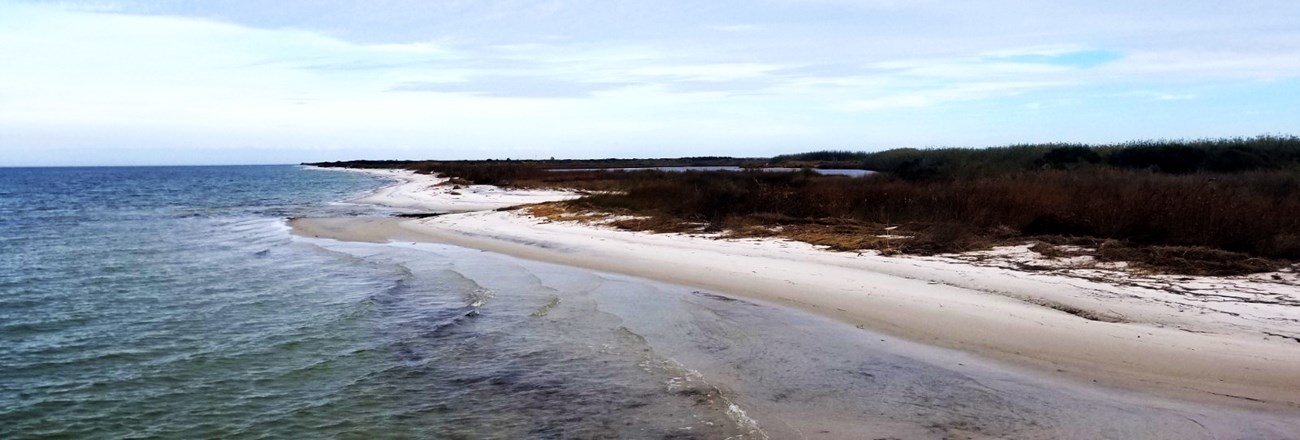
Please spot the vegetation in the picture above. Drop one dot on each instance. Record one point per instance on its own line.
(1222, 206)
(1233, 155)
(1256, 214)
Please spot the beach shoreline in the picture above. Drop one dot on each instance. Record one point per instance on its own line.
(1223, 348)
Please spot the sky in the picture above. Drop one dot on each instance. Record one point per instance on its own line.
(149, 82)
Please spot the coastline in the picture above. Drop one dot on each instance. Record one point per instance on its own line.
(430, 194)
(1132, 337)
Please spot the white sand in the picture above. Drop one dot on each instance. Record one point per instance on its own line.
(428, 193)
(1223, 339)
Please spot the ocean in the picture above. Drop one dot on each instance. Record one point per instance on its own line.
(174, 302)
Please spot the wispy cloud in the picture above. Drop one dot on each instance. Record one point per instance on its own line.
(641, 75)
(510, 87)
(1079, 59)
(928, 97)
(1158, 96)
(1195, 65)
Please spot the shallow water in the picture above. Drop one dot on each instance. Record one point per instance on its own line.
(156, 301)
(712, 366)
(174, 303)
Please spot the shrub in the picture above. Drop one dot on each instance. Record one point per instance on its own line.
(1069, 157)
(1173, 159)
(1254, 213)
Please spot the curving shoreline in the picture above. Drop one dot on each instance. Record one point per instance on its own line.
(1220, 352)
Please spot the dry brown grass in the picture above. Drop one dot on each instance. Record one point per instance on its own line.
(850, 236)
(657, 224)
(560, 211)
(839, 238)
(1187, 260)
(1049, 250)
(1196, 223)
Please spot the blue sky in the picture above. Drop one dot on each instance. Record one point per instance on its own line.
(182, 82)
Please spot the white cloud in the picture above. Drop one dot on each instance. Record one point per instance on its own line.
(705, 72)
(944, 95)
(1157, 96)
(498, 76)
(1200, 65)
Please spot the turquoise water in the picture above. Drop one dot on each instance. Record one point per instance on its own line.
(163, 301)
(173, 302)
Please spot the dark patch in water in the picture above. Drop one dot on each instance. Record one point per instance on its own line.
(716, 297)
(419, 214)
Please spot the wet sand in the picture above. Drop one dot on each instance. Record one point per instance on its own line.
(699, 364)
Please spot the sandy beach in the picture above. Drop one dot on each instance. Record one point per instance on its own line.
(425, 193)
(1224, 340)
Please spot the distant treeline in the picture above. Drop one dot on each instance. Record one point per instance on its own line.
(1228, 155)
(1231, 155)
(559, 164)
